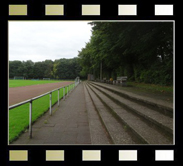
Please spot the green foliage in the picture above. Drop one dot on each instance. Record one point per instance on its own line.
(59, 69)
(66, 68)
(143, 51)
(17, 68)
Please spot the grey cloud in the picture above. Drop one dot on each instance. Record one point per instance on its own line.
(42, 40)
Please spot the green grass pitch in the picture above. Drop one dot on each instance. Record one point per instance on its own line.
(18, 83)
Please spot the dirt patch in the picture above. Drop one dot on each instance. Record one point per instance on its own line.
(19, 94)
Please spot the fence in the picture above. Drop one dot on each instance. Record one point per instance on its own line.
(71, 86)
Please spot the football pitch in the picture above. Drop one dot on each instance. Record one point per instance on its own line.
(18, 83)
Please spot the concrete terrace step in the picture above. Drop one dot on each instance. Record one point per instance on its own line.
(117, 133)
(146, 133)
(160, 120)
(98, 133)
(163, 106)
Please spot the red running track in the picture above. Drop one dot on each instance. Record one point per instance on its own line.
(19, 94)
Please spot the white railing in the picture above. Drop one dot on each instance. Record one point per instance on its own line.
(71, 86)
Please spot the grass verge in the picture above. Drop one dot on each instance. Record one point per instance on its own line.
(19, 116)
(152, 87)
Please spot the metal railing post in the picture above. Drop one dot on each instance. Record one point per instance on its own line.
(67, 90)
(64, 92)
(50, 102)
(30, 119)
(58, 97)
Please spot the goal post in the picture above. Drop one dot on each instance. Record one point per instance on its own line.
(46, 78)
(19, 78)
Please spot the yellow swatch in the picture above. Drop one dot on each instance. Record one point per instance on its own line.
(54, 10)
(90, 9)
(18, 155)
(17, 10)
(54, 155)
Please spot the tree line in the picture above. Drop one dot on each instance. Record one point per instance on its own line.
(58, 69)
(143, 51)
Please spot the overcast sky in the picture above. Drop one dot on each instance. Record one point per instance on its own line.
(41, 40)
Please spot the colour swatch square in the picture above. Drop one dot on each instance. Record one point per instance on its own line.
(127, 155)
(91, 155)
(127, 9)
(17, 10)
(18, 155)
(90, 9)
(54, 10)
(164, 155)
(54, 155)
(163, 10)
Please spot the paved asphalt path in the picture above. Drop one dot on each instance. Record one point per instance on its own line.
(67, 125)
